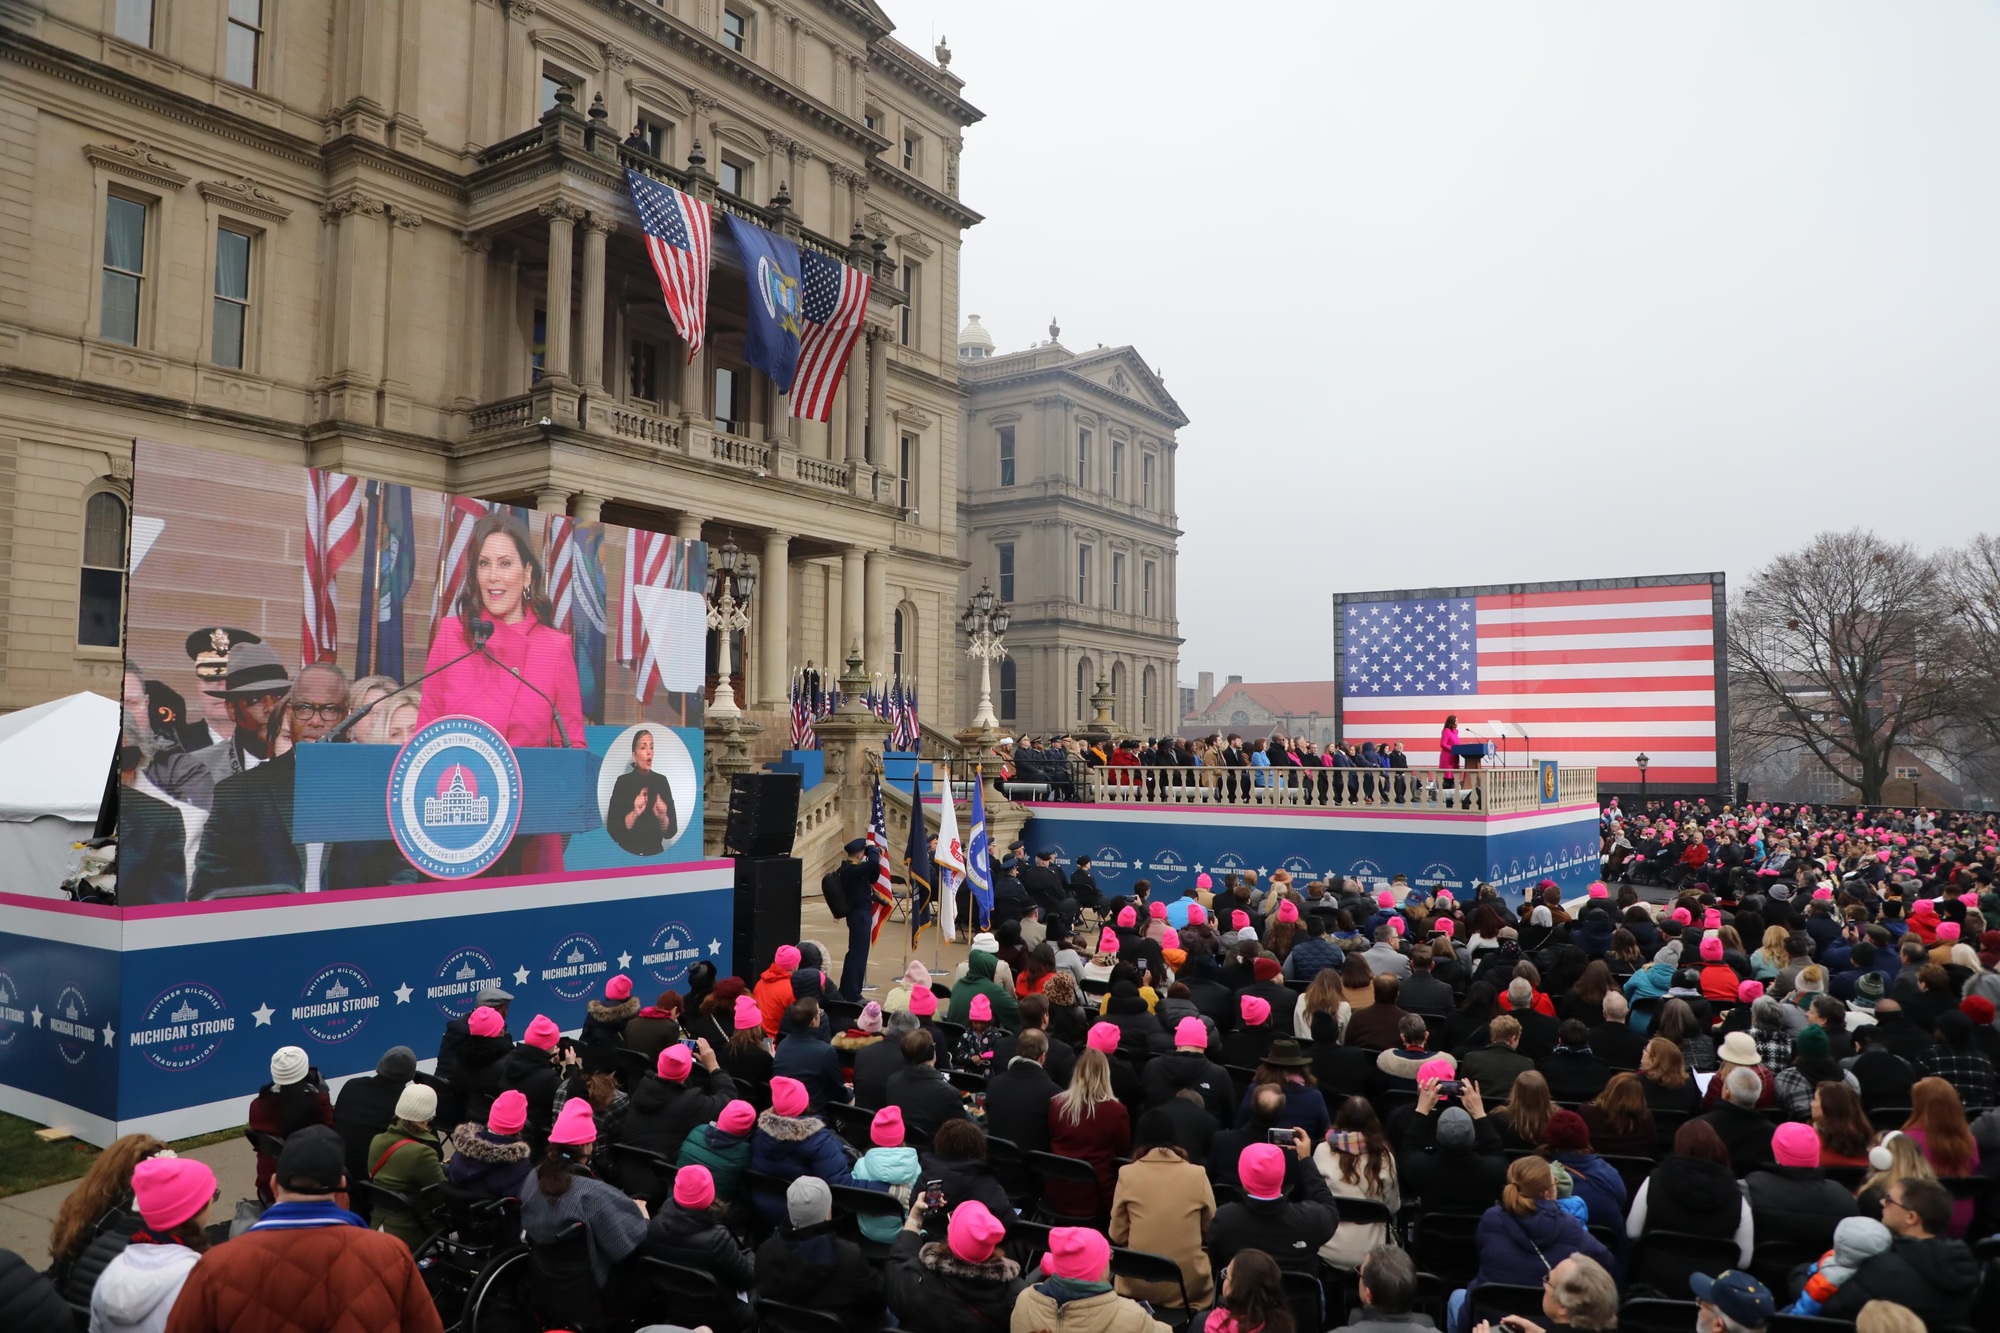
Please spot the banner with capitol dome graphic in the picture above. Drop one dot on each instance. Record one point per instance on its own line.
(336, 683)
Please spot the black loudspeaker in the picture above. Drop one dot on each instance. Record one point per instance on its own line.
(1742, 793)
(767, 911)
(763, 814)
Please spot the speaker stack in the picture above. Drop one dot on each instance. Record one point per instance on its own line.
(763, 817)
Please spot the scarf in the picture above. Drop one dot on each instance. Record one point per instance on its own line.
(1063, 1290)
(292, 1216)
(1348, 1141)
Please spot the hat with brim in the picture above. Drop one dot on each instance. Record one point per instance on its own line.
(1738, 1049)
(209, 649)
(1285, 1053)
(1746, 1301)
(253, 669)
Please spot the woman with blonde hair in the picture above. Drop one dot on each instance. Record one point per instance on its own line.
(1772, 957)
(98, 1218)
(1895, 1157)
(1089, 1123)
(1524, 1121)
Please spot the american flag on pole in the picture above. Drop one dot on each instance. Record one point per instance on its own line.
(833, 303)
(679, 241)
(334, 506)
(652, 560)
(1593, 677)
(454, 553)
(802, 717)
(559, 559)
(878, 840)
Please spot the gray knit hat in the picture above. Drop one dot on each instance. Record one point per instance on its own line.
(808, 1202)
(1455, 1128)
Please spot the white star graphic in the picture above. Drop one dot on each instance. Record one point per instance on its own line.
(624, 961)
(1198, 867)
(520, 976)
(36, 1015)
(110, 1035)
(1262, 872)
(714, 948)
(262, 1013)
(402, 993)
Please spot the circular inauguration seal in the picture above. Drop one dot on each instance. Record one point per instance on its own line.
(454, 797)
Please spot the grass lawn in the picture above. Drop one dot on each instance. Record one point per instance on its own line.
(27, 1163)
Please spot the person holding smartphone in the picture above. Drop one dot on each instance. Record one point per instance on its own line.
(1286, 1202)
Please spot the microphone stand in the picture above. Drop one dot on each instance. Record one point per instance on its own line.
(353, 719)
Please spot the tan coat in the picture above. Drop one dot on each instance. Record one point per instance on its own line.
(1109, 1313)
(1163, 1205)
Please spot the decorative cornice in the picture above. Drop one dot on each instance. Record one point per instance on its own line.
(476, 243)
(602, 223)
(351, 204)
(409, 219)
(560, 208)
(935, 85)
(701, 101)
(916, 244)
(913, 416)
(138, 161)
(519, 10)
(616, 57)
(911, 188)
(245, 196)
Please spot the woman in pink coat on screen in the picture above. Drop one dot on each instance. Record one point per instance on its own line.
(503, 610)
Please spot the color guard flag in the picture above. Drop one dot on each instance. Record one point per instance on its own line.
(917, 862)
(878, 839)
(950, 865)
(979, 861)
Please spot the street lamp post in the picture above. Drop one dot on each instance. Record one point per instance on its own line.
(984, 623)
(1642, 761)
(730, 584)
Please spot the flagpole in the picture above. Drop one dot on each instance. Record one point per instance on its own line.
(371, 560)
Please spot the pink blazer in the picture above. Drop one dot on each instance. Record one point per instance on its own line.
(1447, 757)
(478, 688)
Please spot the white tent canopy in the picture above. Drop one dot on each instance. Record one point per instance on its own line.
(54, 760)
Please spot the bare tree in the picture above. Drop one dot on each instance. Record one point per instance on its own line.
(1847, 647)
(1974, 577)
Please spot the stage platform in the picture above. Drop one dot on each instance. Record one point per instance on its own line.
(163, 1019)
(1167, 826)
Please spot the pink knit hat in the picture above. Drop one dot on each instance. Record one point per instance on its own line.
(788, 1097)
(1256, 1010)
(747, 1014)
(1385, 899)
(509, 1114)
(981, 1010)
(675, 1063)
(1202, 881)
(1443, 927)
(1439, 1067)
(1239, 920)
(1711, 950)
(1157, 910)
(1288, 910)
(1598, 890)
(1127, 918)
(974, 1232)
(170, 1190)
(575, 1124)
(1749, 992)
(1079, 1254)
(619, 988)
(1398, 925)
(737, 1119)
(1823, 894)
(1682, 915)
(1197, 914)
(786, 958)
(923, 1002)
(1261, 1168)
(1948, 931)
(886, 1129)
(1191, 1031)
(1171, 939)
(1795, 1144)
(1711, 919)
(1108, 941)
(1103, 1037)
(485, 1021)
(694, 1188)
(542, 1033)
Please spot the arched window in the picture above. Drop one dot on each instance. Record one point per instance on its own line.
(1121, 707)
(903, 643)
(1146, 697)
(1083, 682)
(896, 652)
(100, 601)
(1007, 689)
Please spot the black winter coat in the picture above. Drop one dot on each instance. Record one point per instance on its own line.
(814, 1268)
(1936, 1279)
(931, 1290)
(925, 1098)
(480, 1061)
(1290, 1229)
(699, 1240)
(77, 1277)
(29, 1302)
(1797, 1205)
(662, 1114)
(874, 1065)
(1017, 1105)
(530, 1071)
(1179, 1070)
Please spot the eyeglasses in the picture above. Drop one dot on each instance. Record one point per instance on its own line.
(326, 712)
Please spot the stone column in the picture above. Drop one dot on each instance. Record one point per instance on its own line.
(551, 500)
(880, 449)
(586, 508)
(774, 619)
(595, 228)
(875, 635)
(555, 339)
(830, 650)
(688, 527)
(853, 598)
(778, 409)
(473, 345)
(857, 406)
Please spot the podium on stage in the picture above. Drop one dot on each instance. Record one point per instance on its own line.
(342, 792)
(1473, 752)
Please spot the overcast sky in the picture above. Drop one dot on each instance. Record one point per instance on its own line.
(1468, 293)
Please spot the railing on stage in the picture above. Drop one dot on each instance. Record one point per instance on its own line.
(1481, 791)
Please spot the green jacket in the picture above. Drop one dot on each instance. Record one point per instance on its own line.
(978, 980)
(725, 1156)
(414, 1165)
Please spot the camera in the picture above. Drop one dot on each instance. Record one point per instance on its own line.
(1282, 1137)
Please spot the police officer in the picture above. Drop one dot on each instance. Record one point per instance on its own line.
(857, 891)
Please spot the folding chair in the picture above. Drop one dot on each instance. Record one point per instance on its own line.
(1664, 1259)
(1446, 1244)
(1047, 1166)
(698, 1296)
(1140, 1266)
(853, 1124)
(1307, 1300)
(778, 1317)
(1633, 1170)
(1652, 1314)
(851, 1203)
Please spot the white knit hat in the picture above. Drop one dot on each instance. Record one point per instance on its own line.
(417, 1104)
(289, 1065)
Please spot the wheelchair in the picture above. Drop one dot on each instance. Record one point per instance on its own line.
(453, 1258)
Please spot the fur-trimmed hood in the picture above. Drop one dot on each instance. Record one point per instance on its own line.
(938, 1258)
(854, 1040)
(790, 1129)
(622, 1012)
(470, 1140)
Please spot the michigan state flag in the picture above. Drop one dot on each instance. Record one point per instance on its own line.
(771, 264)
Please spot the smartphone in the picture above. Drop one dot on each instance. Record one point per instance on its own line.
(1282, 1137)
(1450, 1087)
(693, 1044)
(933, 1196)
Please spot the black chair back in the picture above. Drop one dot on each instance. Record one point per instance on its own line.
(1447, 1244)
(563, 1287)
(1494, 1301)
(854, 1125)
(1027, 1242)
(697, 1295)
(778, 1317)
(1665, 1259)
(641, 1173)
(1889, 1117)
(1141, 1266)
(967, 1081)
(1772, 1261)
(1805, 1323)
(1632, 1170)
(1047, 1166)
(1651, 1314)
(1306, 1299)
(1666, 1124)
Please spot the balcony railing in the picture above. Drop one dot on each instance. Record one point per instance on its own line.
(507, 414)
(821, 472)
(1478, 791)
(633, 424)
(743, 453)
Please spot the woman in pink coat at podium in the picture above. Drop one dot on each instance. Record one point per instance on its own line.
(1448, 744)
(523, 674)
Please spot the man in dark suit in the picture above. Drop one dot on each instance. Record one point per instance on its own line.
(1046, 890)
(248, 840)
(1083, 886)
(152, 841)
(1060, 1060)
(920, 1089)
(1018, 1095)
(1614, 1040)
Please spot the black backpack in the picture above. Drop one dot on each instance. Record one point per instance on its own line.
(836, 897)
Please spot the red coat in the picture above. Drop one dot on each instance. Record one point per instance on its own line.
(1098, 1138)
(267, 1117)
(331, 1279)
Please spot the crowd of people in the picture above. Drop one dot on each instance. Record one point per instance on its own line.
(1063, 767)
(1767, 1087)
